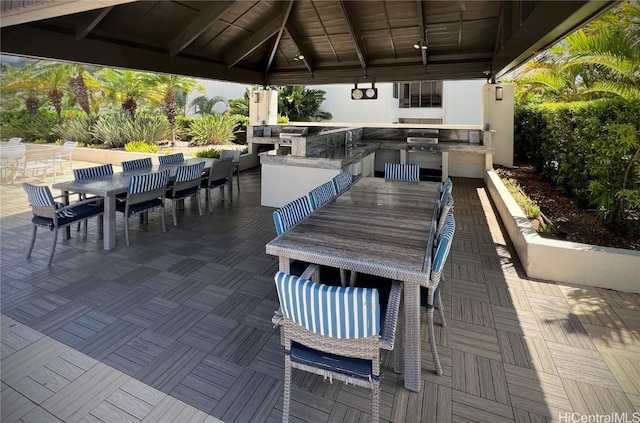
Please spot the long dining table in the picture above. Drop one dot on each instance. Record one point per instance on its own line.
(109, 186)
(378, 227)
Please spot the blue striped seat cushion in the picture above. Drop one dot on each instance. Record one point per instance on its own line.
(92, 172)
(402, 172)
(290, 214)
(332, 311)
(322, 195)
(189, 172)
(342, 181)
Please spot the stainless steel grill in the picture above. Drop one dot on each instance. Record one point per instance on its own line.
(422, 140)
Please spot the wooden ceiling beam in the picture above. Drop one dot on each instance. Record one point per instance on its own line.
(348, 16)
(268, 30)
(197, 26)
(276, 44)
(38, 42)
(295, 39)
(423, 31)
(89, 20)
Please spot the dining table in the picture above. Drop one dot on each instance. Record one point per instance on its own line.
(378, 227)
(109, 186)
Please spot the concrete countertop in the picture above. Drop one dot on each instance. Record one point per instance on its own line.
(324, 158)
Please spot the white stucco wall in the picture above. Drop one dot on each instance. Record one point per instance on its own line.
(225, 89)
(463, 102)
(339, 103)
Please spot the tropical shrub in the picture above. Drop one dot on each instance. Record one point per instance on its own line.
(19, 123)
(209, 153)
(213, 129)
(150, 128)
(75, 129)
(590, 150)
(111, 130)
(141, 147)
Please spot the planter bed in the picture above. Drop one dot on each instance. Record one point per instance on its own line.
(563, 261)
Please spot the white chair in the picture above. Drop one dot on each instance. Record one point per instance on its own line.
(64, 156)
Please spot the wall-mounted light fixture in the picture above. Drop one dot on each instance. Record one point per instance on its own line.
(420, 45)
(498, 93)
(298, 56)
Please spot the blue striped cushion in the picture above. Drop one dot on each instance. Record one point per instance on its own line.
(38, 196)
(322, 195)
(189, 172)
(332, 311)
(171, 158)
(290, 214)
(444, 243)
(92, 172)
(402, 172)
(136, 164)
(342, 181)
(148, 182)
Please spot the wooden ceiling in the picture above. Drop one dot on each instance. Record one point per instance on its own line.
(257, 41)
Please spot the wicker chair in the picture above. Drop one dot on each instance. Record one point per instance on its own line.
(136, 164)
(319, 340)
(291, 214)
(432, 295)
(219, 176)
(446, 206)
(235, 158)
(145, 192)
(342, 181)
(322, 194)
(402, 172)
(53, 215)
(186, 184)
(171, 158)
(447, 188)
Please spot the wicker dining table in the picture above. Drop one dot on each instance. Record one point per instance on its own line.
(108, 186)
(378, 227)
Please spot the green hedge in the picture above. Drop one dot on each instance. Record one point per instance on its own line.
(589, 150)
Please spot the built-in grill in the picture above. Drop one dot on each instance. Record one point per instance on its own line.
(289, 132)
(422, 140)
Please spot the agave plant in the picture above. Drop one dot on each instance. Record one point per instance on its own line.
(213, 129)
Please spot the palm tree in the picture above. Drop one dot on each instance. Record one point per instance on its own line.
(301, 104)
(125, 87)
(240, 106)
(164, 89)
(205, 106)
(601, 60)
(23, 82)
(52, 77)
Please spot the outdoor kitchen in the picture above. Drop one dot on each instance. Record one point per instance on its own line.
(303, 155)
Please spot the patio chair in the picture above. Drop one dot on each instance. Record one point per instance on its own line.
(319, 340)
(14, 141)
(291, 214)
(447, 188)
(64, 156)
(322, 194)
(53, 215)
(432, 297)
(136, 164)
(235, 157)
(90, 173)
(12, 161)
(186, 184)
(401, 172)
(342, 181)
(446, 206)
(145, 192)
(171, 158)
(219, 175)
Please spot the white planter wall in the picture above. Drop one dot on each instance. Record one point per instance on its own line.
(563, 261)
